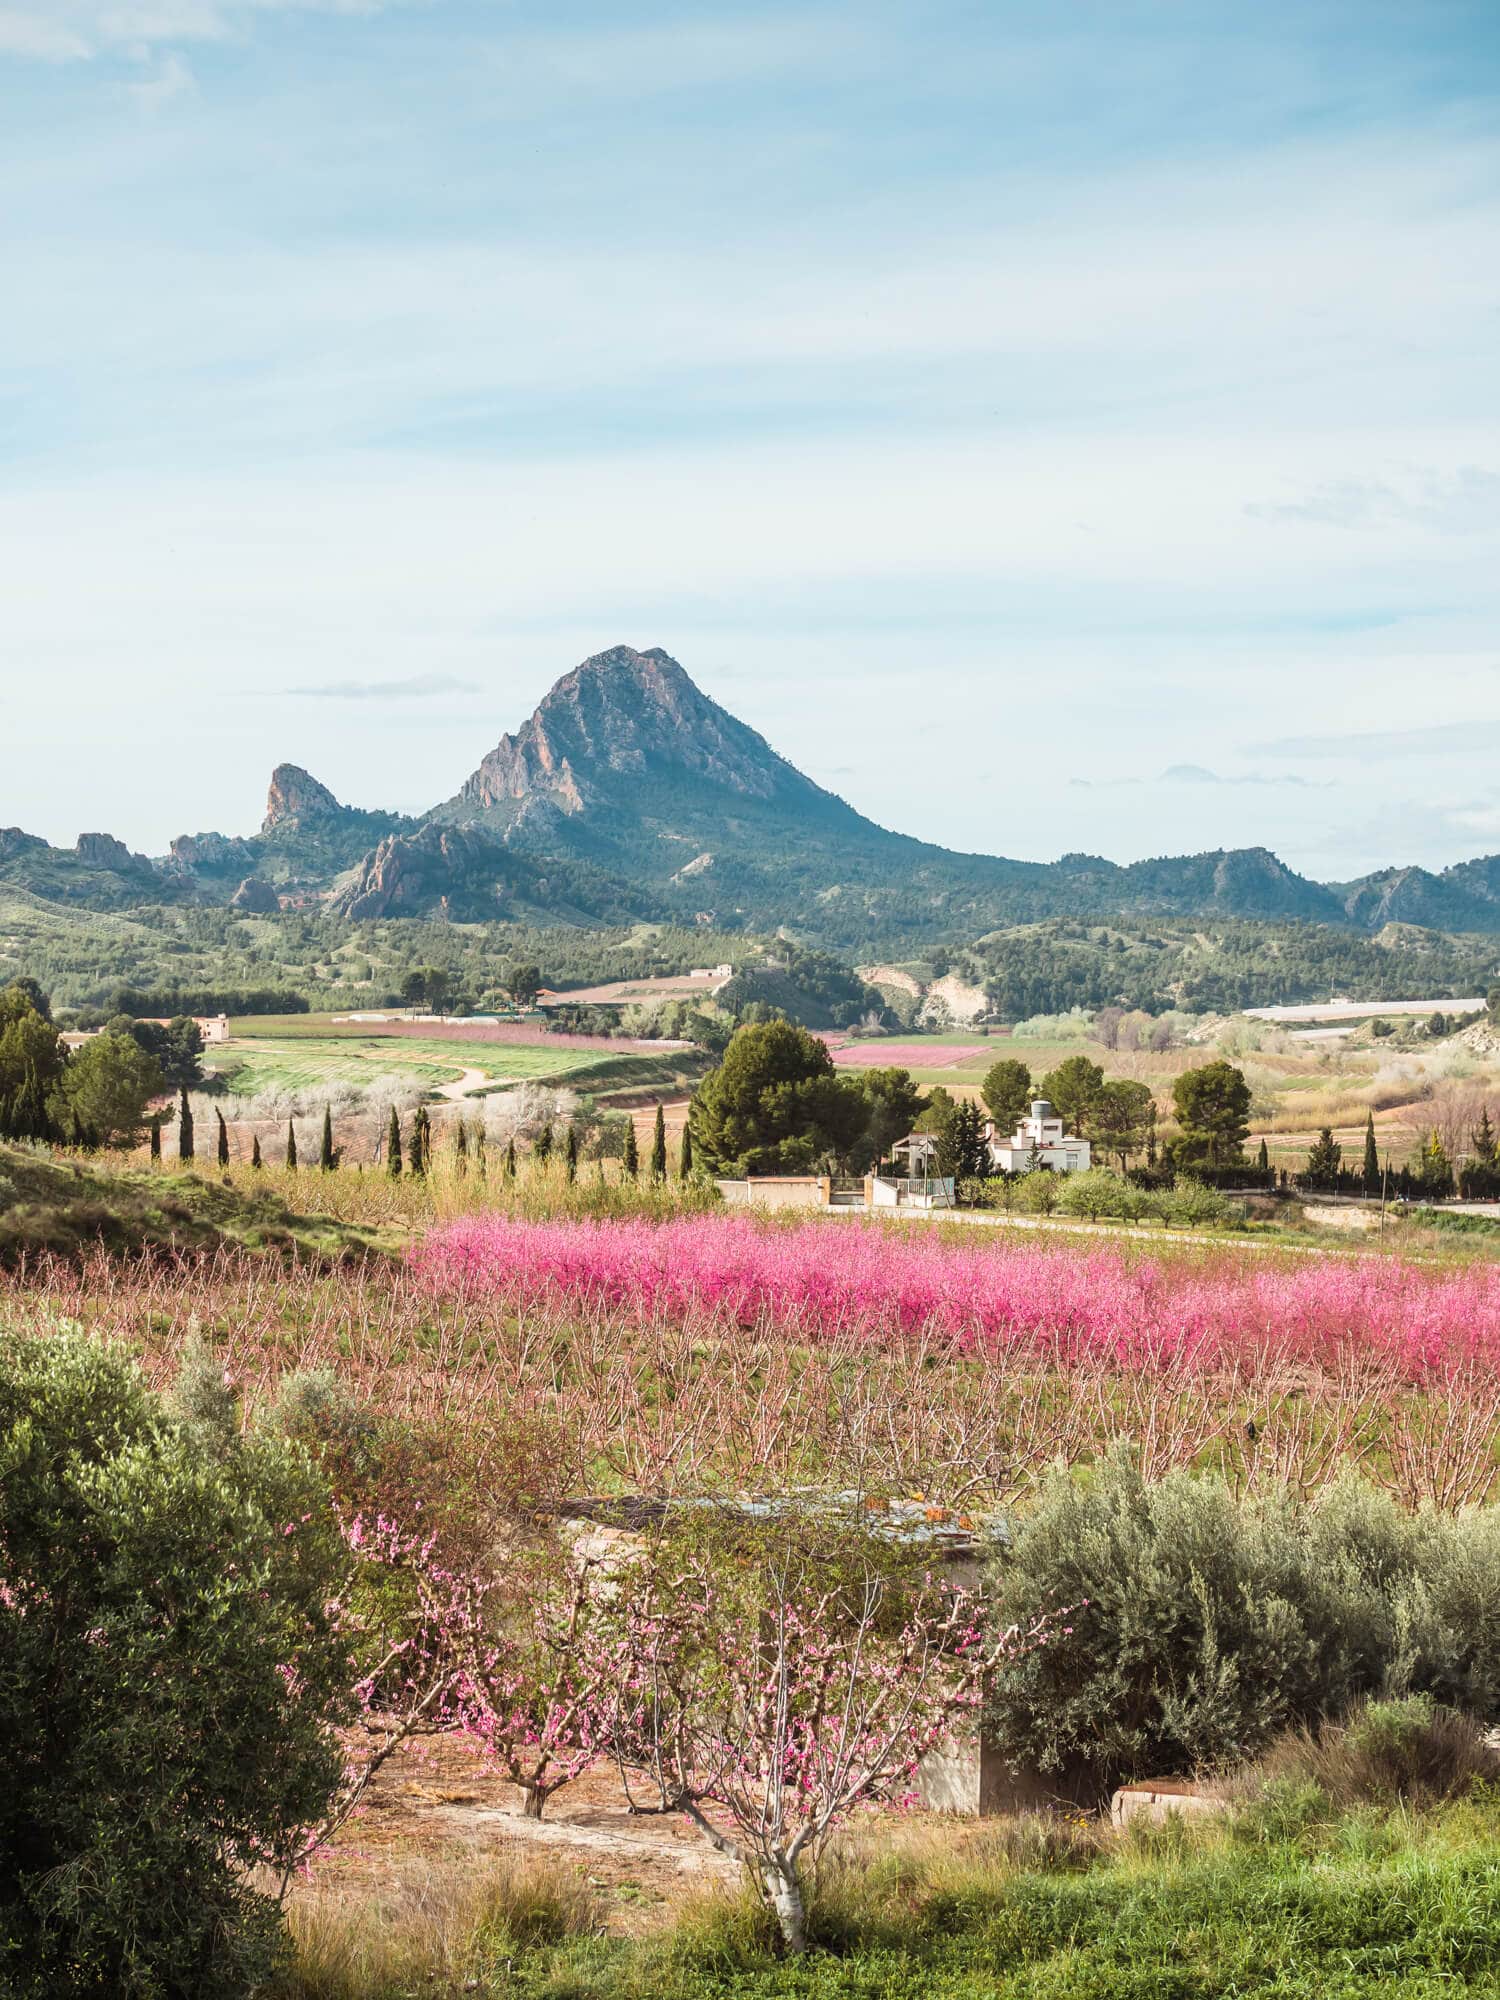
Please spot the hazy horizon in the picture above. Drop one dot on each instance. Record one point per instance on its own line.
(1051, 433)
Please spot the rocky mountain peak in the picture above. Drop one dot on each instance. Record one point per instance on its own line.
(624, 715)
(295, 795)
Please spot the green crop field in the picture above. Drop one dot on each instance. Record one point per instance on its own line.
(302, 1062)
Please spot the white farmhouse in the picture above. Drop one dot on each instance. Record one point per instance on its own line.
(1039, 1141)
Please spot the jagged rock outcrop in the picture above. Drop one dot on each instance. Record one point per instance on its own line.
(102, 850)
(295, 795)
(414, 872)
(623, 715)
(14, 842)
(255, 897)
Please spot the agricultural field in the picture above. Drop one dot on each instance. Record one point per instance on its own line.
(251, 1063)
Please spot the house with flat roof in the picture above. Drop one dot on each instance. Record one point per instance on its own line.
(1040, 1140)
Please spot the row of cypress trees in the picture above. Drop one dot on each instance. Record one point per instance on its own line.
(411, 1151)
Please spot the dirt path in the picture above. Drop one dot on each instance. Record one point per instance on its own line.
(461, 1086)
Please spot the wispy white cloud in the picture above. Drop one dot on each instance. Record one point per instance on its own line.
(413, 687)
(74, 30)
(1465, 501)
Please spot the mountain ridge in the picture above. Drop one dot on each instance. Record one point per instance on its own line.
(630, 793)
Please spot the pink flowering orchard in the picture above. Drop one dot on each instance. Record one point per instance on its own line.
(821, 1282)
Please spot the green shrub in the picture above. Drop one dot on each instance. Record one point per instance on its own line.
(169, 1682)
(1409, 1751)
(1205, 1625)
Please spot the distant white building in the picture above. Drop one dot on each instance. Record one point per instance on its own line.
(1038, 1141)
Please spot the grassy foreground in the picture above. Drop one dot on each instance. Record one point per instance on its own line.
(1290, 1900)
(51, 1202)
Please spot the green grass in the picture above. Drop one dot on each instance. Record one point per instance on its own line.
(65, 1204)
(263, 1062)
(1299, 1904)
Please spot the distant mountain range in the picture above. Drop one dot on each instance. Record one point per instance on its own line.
(629, 795)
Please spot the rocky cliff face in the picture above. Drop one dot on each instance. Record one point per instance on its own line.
(296, 796)
(408, 873)
(620, 717)
(255, 897)
(102, 850)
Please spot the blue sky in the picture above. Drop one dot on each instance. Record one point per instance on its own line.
(1055, 427)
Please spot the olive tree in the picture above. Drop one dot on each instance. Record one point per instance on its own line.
(172, 1681)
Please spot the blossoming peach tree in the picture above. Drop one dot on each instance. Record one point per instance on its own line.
(769, 1684)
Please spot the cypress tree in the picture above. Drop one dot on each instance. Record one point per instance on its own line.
(184, 1127)
(659, 1147)
(461, 1148)
(570, 1154)
(1264, 1158)
(632, 1159)
(327, 1158)
(393, 1146)
(510, 1160)
(291, 1146)
(541, 1152)
(417, 1152)
(223, 1138)
(156, 1136)
(685, 1158)
(255, 1151)
(1371, 1174)
(481, 1163)
(1483, 1138)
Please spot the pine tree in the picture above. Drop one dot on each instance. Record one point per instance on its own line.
(1483, 1139)
(570, 1154)
(659, 1147)
(393, 1145)
(156, 1136)
(541, 1152)
(328, 1159)
(1323, 1161)
(291, 1146)
(685, 1158)
(255, 1151)
(510, 1160)
(184, 1127)
(632, 1159)
(1370, 1174)
(223, 1138)
(1263, 1160)
(461, 1148)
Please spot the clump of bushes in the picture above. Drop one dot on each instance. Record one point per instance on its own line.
(171, 1680)
(1410, 1751)
(1205, 1624)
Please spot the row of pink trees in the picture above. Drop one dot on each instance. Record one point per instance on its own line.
(763, 1677)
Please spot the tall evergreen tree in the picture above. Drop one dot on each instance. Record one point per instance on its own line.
(156, 1135)
(1323, 1161)
(510, 1159)
(570, 1154)
(328, 1159)
(1263, 1158)
(659, 1147)
(632, 1160)
(416, 1155)
(223, 1138)
(255, 1151)
(1483, 1140)
(184, 1127)
(393, 1145)
(541, 1151)
(685, 1158)
(291, 1146)
(1370, 1173)
(461, 1148)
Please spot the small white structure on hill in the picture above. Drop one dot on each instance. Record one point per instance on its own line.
(1038, 1141)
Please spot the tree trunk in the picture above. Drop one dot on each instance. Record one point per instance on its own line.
(533, 1798)
(783, 1892)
